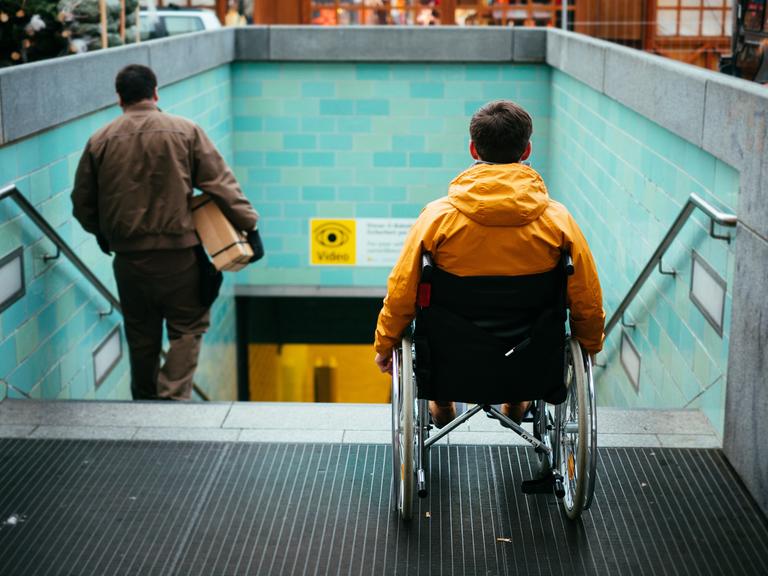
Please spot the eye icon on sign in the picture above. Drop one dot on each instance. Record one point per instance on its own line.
(332, 235)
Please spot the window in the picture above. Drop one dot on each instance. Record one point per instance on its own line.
(374, 12)
(754, 15)
(435, 12)
(182, 25)
(510, 12)
(693, 18)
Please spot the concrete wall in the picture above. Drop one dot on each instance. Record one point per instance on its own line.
(625, 179)
(728, 119)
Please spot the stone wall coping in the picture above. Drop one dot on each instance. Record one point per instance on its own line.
(667, 92)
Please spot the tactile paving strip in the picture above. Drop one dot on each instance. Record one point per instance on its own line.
(95, 508)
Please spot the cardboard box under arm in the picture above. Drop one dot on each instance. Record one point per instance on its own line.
(227, 247)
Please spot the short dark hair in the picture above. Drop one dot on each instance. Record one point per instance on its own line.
(135, 83)
(501, 131)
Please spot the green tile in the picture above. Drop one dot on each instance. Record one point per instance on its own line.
(334, 142)
(335, 177)
(318, 89)
(325, 159)
(389, 159)
(372, 72)
(391, 89)
(40, 186)
(482, 72)
(354, 89)
(370, 142)
(409, 107)
(337, 107)
(349, 159)
(281, 124)
(427, 90)
(247, 89)
(281, 159)
(407, 143)
(355, 124)
(318, 193)
(317, 124)
(425, 160)
(372, 107)
(27, 339)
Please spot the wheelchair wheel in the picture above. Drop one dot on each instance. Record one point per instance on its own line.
(576, 432)
(403, 407)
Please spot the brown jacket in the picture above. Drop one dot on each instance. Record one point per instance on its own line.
(497, 220)
(136, 176)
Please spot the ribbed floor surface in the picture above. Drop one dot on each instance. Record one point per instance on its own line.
(106, 508)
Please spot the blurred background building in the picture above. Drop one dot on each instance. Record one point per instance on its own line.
(730, 35)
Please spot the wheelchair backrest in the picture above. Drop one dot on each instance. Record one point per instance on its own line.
(476, 335)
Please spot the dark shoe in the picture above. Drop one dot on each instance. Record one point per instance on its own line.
(542, 484)
(442, 412)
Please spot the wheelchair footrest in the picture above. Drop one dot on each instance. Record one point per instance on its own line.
(546, 484)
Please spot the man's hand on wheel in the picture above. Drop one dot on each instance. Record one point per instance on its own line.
(384, 363)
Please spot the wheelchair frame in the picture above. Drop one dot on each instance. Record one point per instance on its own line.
(566, 440)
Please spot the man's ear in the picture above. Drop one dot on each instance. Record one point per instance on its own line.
(120, 101)
(473, 151)
(527, 153)
(156, 95)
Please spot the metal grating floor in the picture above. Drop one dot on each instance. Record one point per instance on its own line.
(82, 508)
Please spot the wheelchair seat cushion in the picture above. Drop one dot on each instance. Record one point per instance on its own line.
(489, 340)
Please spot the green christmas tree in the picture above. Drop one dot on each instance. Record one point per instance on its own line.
(30, 30)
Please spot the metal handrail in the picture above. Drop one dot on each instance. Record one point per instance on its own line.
(694, 201)
(11, 191)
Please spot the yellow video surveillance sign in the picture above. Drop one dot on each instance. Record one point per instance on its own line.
(332, 242)
(357, 241)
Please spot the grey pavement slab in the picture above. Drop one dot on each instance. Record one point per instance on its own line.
(130, 414)
(312, 423)
(366, 437)
(689, 441)
(187, 434)
(627, 440)
(318, 416)
(617, 421)
(85, 432)
(15, 430)
(293, 436)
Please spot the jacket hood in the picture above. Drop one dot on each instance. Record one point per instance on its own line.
(499, 194)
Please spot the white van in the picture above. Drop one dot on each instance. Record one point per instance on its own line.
(164, 22)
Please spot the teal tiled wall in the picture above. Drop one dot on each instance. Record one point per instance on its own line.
(47, 338)
(359, 141)
(625, 179)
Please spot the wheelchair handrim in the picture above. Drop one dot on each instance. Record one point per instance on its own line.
(573, 434)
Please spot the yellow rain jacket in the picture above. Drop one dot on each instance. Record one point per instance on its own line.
(497, 220)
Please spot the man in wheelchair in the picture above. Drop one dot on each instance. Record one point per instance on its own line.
(496, 221)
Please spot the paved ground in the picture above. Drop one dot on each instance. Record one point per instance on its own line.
(315, 423)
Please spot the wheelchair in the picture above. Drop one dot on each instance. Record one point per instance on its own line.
(486, 340)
